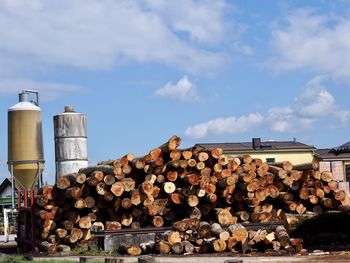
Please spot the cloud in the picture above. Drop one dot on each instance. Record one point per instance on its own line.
(183, 90)
(315, 101)
(230, 125)
(319, 43)
(343, 117)
(100, 34)
(191, 17)
(48, 90)
(287, 120)
(311, 106)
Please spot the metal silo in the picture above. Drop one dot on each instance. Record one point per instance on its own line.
(70, 141)
(25, 141)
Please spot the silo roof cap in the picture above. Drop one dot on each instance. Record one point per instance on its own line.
(24, 105)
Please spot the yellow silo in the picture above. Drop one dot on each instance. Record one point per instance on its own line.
(25, 141)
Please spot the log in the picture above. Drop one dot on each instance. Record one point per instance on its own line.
(286, 165)
(41, 200)
(306, 166)
(173, 237)
(177, 248)
(216, 152)
(242, 215)
(77, 233)
(157, 221)
(192, 200)
(177, 198)
(188, 247)
(163, 247)
(219, 245)
(280, 172)
(238, 231)
(172, 175)
(101, 188)
(186, 154)
(68, 225)
(73, 192)
(105, 169)
(126, 203)
(326, 176)
(218, 232)
(85, 222)
(92, 181)
(134, 250)
(204, 230)
(79, 203)
(126, 219)
(282, 236)
(108, 196)
(61, 232)
(112, 225)
(147, 188)
(53, 239)
(117, 188)
(225, 217)
(169, 187)
(65, 181)
(47, 246)
(80, 178)
(276, 245)
(109, 179)
(89, 202)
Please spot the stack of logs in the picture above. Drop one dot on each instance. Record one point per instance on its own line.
(169, 186)
(191, 235)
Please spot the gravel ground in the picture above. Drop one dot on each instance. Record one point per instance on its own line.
(339, 257)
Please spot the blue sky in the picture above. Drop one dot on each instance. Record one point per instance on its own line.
(208, 71)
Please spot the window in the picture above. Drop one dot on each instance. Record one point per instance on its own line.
(270, 160)
(347, 172)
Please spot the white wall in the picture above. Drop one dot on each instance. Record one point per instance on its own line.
(6, 192)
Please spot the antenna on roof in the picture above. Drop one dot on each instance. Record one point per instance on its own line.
(294, 139)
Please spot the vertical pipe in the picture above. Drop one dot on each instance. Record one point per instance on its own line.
(32, 198)
(39, 177)
(12, 187)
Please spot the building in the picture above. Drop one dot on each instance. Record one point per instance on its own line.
(337, 160)
(268, 151)
(5, 194)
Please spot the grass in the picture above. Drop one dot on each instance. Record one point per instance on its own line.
(20, 259)
(92, 252)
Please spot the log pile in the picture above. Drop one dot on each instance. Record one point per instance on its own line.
(202, 193)
(191, 235)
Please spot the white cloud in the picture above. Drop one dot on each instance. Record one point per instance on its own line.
(287, 120)
(99, 34)
(312, 105)
(315, 101)
(192, 17)
(343, 117)
(183, 90)
(48, 91)
(320, 43)
(230, 125)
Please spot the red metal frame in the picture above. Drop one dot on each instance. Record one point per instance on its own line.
(32, 215)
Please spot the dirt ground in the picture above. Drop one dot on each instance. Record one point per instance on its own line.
(338, 257)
